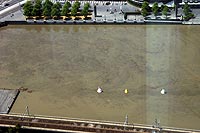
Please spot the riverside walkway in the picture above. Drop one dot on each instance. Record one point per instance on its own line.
(60, 124)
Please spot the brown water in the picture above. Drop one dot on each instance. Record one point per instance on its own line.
(62, 66)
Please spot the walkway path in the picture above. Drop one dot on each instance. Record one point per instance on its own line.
(47, 123)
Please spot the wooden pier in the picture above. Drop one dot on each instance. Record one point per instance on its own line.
(7, 99)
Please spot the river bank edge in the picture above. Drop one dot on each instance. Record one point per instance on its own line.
(146, 22)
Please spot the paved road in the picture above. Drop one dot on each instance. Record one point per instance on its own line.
(9, 10)
(10, 3)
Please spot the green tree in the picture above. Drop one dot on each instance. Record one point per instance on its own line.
(187, 12)
(165, 10)
(84, 12)
(75, 8)
(145, 5)
(34, 11)
(68, 4)
(57, 5)
(145, 8)
(74, 11)
(37, 9)
(186, 9)
(55, 12)
(155, 8)
(47, 6)
(46, 12)
(144, 13)
(162, 6)
(87, 5)
(65, 9)
(28, 8)
(77, 5)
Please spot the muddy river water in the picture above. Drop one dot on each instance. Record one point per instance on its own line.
(62, 66)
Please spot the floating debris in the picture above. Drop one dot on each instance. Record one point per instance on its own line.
(29, 91)
(23, 89)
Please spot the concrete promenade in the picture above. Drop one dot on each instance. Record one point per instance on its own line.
(48, 123)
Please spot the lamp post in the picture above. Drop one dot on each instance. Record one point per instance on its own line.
(27, 110)
(125, 122)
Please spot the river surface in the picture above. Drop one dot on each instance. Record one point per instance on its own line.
(62, 66)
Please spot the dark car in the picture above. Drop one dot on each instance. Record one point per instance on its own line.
(107, 3)
(6, 4)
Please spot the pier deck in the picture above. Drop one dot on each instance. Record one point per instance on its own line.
(7, 99)
(56, 124)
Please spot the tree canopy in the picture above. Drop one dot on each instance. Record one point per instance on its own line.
(75, 8)
(28, 8)
(57, 5)
(65, 9)
(55, 11)
(186, 9)
(37, 9)
(74, 12)
(87, 5)
(187, 12)
(77, 5)
(165, 10)
(155, 8)
(145, 8)
(145, 5)
(47, 6)
(85, 10)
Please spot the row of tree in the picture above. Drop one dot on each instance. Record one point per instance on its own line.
(47, 8)
(155, 9)
(146, 9)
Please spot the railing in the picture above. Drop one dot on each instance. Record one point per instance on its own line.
(76, 124)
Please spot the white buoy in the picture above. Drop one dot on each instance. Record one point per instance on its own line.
(163, 91)
(99, 90)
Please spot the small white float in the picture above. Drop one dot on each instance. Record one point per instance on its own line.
(99, 90)
(163, 91)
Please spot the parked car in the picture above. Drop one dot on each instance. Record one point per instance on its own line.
(6, 4)
(107, 3)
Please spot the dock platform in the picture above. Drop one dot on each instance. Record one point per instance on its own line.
(75, 125)
(7, 99)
